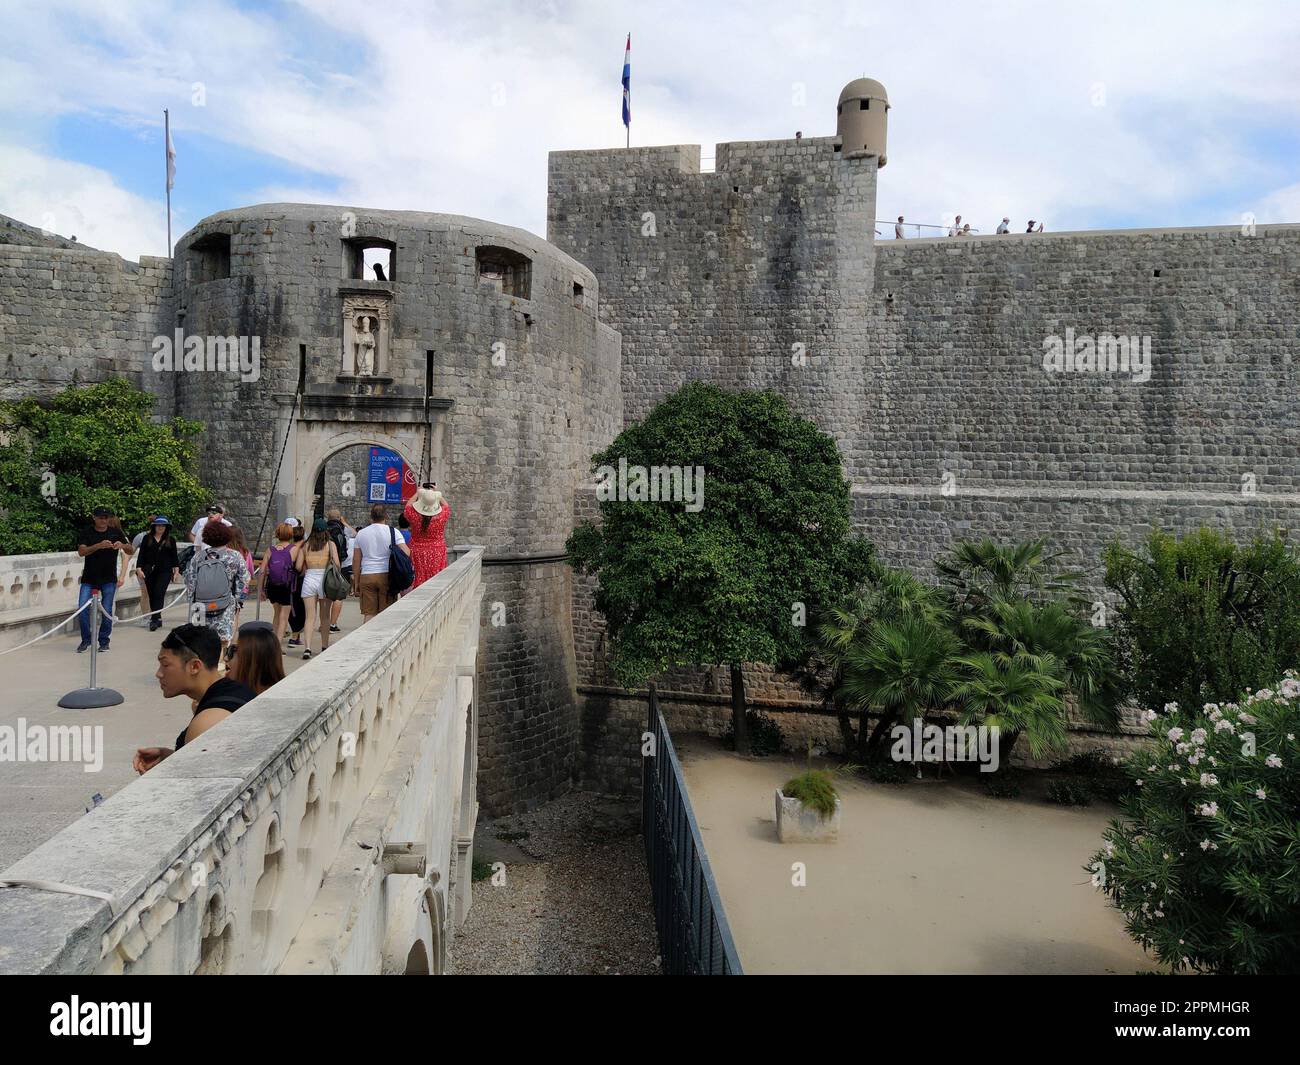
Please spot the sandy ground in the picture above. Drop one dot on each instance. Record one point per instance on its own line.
(926, 877)
(575, 897)
(37, 800)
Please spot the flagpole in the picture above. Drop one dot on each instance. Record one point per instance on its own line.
(167, 178)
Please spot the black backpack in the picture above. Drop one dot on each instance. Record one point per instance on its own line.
(401, 570)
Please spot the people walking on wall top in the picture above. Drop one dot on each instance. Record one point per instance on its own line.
(278, 577)
(214, 578)
(1030, 229)
(1005, 226)
(313, 559)
(215, 512)
(188, 664)
(428, 512)
(898, 229)
(157, 565)
(955, 228)
(99, 546)
(370, 556)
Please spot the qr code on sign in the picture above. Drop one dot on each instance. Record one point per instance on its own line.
(377, 493)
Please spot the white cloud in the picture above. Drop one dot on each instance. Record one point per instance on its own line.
(454, 108)
(74, 200)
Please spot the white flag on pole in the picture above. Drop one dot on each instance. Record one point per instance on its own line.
(171, 161)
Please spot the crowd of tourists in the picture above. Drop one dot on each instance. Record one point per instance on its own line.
(306, 575)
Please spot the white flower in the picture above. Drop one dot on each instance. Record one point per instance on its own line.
(1147, 716)
(1273, 762)
(1139, 783)
(1151, 769)
(1183, 748)
(1213, 760)
(1289, 688)
(1208, 780)
(1194, 759)
(1175, 734)
(1260, 793)
(1209, 707)
(1291, 736)
(1214, 715)
(1205, 844)
(1224, 726)
(1264, 693)
(1248, 719)
(1171, 708)
(1198, 735)
(1208, 809)
(1160, 913)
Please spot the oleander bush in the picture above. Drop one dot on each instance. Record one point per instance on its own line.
(1205, 862)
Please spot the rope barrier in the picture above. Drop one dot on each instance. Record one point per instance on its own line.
(166, 606)
(62, 889)
(56, 628)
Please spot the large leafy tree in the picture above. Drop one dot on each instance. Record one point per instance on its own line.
(1202, 618)
(89, 447)
(736, 579)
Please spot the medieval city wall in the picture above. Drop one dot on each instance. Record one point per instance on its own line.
(74, 316)
(925, 360)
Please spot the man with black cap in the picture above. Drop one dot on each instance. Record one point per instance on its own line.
(215, 512)
(99, 546)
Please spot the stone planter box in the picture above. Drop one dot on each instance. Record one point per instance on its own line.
(797, 824)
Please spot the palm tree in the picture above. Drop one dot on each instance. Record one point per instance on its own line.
(1016, 694)
(888, 595)
(1053, 637)
(977, 572)
(902, 669)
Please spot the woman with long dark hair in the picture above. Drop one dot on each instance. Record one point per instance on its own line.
(255, 658)
(157, 565)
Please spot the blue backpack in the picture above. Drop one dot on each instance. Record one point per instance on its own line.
(401, 571)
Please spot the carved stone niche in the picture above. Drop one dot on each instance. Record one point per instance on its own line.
(366, 330)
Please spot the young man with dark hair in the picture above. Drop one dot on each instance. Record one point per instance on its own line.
(187, 665)
(99, 546)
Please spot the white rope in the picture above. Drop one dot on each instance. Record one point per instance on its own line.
(140, 617)
(56, 628)
(62, 889)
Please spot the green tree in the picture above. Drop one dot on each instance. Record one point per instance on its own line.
(1018, 695)
(734, 576)
(1202, 618)
(89, 447)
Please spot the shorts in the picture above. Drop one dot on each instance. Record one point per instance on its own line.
(375, 595)
(313, 583)
(279, 594)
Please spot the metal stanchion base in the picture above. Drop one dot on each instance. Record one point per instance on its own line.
(90, 698)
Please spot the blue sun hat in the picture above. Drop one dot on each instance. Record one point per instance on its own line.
(160, 520)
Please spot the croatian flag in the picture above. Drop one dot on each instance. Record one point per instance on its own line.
(627, 84)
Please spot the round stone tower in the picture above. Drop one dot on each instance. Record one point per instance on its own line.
(476, 353)
(862, 121)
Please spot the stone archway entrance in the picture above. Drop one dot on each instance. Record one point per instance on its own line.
(318, 427)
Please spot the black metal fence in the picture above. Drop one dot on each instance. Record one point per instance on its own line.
(693, 935)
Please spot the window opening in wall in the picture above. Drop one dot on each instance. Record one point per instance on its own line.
(1156, 273)
(864, 105)
(369, 259)
(508, 271)
(577, 294)
(209, 258)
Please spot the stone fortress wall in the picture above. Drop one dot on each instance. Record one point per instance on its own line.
(500, 360)
(925, 360)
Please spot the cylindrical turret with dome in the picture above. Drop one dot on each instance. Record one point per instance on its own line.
(862, 121)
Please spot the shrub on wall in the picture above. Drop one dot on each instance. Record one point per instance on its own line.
(89, 447)
(1201, 619)
(1205, 864)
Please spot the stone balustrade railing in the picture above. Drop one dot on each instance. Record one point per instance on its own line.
(48, 580)
(325, 827)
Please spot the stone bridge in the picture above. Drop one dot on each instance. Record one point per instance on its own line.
(325, 828)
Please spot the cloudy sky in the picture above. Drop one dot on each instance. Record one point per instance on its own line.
(1087, 114)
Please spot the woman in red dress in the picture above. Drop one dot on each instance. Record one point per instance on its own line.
(428, 512)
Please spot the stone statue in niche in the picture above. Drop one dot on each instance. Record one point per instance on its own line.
(365, 346)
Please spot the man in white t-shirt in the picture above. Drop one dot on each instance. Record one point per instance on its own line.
(215, 512)
(370, 563)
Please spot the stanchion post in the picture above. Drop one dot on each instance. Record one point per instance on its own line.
(93, 696)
